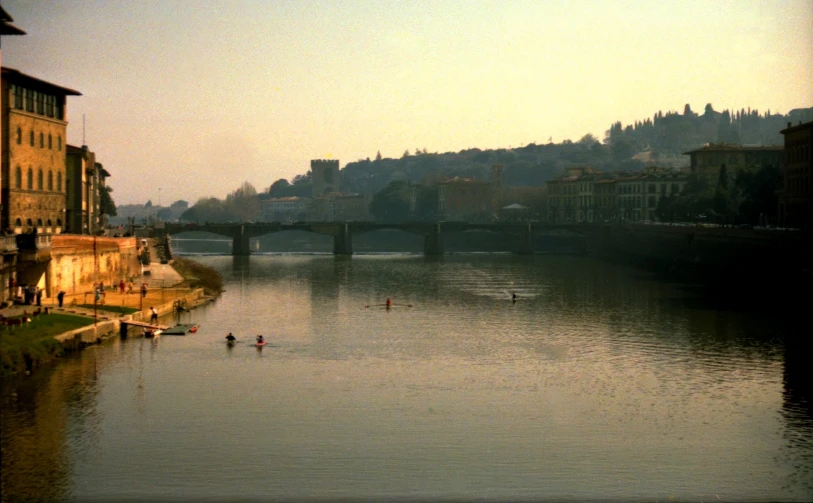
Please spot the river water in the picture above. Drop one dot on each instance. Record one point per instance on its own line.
(598, 383)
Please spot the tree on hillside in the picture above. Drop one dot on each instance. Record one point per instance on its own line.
(392, 204)
(278, 188)
(207, 209)
(378, 156)
(243, 203)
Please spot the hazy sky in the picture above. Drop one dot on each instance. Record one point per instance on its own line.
(195, 97)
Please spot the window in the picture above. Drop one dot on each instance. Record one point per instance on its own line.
(50, 181)
(50, 142)
(29, 222)
(19, 136)
(30, 183)
(40, 99)
(59, 222)
(39, 179)
(18, 97)
(59, 143)
(42, 140)
(31, 138)
(29, 100)
(50, 102)
(18, 178)
(18, 223)
(48, 223)
(59, 182)
(39, 222)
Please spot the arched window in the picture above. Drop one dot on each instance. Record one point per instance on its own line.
(31, 138)
(30, 181)
(18, 178)
(39, 179)
(18, 223)
(19, 136)
(39, 222)
(29, 223)
(50, 180)
(59, 222)
(59, 182)
(49, 223)
(59, 143)
(42, 140)
(50, 142)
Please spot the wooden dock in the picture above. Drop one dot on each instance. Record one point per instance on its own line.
(145, 325)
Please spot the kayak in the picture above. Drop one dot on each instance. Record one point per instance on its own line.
(261, 344)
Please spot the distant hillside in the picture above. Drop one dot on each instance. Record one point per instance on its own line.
(661, 140)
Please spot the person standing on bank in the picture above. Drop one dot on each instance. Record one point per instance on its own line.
(143, 289)
(39, 296)
(153, 315)
(60, 297)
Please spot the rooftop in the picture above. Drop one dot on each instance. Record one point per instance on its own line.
(725, 147)
(37, 84)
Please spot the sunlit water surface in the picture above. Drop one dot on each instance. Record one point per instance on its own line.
(598, 383)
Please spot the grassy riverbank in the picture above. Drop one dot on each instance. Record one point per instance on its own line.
(25, 347)
(199, 276)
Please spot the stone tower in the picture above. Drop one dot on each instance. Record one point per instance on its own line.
(325, 177)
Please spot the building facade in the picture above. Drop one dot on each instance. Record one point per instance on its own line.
(470, 199)
(284, 208)
(796, 196)
(85, 181)
(34, 153)
(709, 160)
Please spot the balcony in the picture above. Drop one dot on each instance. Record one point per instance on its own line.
(33, 247)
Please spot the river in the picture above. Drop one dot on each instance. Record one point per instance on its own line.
(598, 383)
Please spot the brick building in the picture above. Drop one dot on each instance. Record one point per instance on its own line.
(796, 196)
(34, 153)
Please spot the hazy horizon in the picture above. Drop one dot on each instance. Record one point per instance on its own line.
(195, 98)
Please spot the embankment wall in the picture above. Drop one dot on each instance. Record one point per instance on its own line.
(77, 263)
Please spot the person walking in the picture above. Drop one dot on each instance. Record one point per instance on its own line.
(121, 286)
(153, 315)
(143, 290)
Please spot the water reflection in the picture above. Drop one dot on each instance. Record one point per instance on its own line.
(40, 416)
(598, 383)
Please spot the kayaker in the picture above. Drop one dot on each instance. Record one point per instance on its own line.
(231, 338)
(260, 339)
(389, 303)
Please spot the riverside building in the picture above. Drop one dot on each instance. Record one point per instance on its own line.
(34, 153)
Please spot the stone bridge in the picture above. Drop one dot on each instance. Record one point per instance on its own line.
(342, 232)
